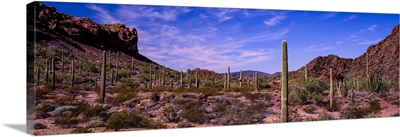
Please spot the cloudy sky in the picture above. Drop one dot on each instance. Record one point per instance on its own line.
(249, 39)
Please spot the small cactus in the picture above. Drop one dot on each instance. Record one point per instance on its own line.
(47, 70)
(284, 83)
(240, 79)
(37, 75)
(197, 80)
(54, 74)
(305, 73)
(62, 61)
(103, 77)
(228, 79)
(225, 78)
(181, 81)
(187, 78)
(116, 68)
(72, 73)
(331, 89)
(256, 81)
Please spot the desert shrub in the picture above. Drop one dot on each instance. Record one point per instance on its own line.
(353, 112)
(132, 119)
(66, 100)
(169, 111)
(82, 130)
(310, 90)
(121, 97)
(242, 89)
(127, 82)
(95, 111)
(335, 106)
(184, 124)
(309, 109)
(66, 121)
(258, 96)
(89, 66)
(72, 89)
(323, 116)
(375, 84)
(124, 73)
(144, 78)
(42, 92)
(374, 106)
(239, 114)
(194, 112)
(206, 90)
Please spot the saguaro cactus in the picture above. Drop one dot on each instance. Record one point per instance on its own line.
(229, 79)
(181, 79)
(305, 73)
(187, 78)
(212, 78)
(116, 68)
(256, 81)
(109, 59)
(163, 77)
(197, 80)
(284, 82)
(62, 61)
(47, 71)
(132, 63)
(103, 77)
(72, 73)
(53, 80)
(151, 80)
(240, 79)
(225, 81)
(172, 83)
(37, 75)
(331, 89)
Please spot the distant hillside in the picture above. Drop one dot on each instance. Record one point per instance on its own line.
(383, 60)
(250, 73)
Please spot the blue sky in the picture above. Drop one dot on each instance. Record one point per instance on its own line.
(249, 39)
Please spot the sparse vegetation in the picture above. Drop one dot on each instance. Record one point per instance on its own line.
(309, 109)
(132, 119)
(194, 112)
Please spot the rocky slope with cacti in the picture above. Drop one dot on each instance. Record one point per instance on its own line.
(383, 60)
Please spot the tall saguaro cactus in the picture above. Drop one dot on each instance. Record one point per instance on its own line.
(62, 62)
(256, 81)
(181, 81)
(284, 82)
(212, 78)
(116, 68)
(53, 80)
(331, 89)
(72, 73)
(103, 77)
(197, 80)
(37, 75)
(151, 79)
(225, 78)
(240, 79)
(47, 71)
(229, 78)
(187, 77)
(367, 68)
(305, 73)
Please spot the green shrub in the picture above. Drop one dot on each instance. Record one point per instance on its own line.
(194, 112)
(169, 111)
(374, 107)
(353, 112)
(258, 96)
(375, 84)
(239, 114)
(42, 92)
(132, 119)
(323, 116)
(66, 121)
(124, 73)
(120, 98)
(82, 130)
(309, 109)
(127, 82)
(310, 90)
(184, 124)
(89, 66)
(95, 111)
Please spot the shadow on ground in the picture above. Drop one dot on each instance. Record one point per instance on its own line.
(18, 127)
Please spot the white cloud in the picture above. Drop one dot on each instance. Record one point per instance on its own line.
(103, 15)
(329, 15)
(372, 27)
(369, 42)
(274, 20)
(351, 17)
(318, 48)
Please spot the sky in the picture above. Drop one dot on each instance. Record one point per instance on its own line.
(184, 38)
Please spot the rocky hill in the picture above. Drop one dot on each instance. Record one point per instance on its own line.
(383, 60)
(45, 23)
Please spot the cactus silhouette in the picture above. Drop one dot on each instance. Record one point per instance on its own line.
(103, 77)
(72, 73)
(53, 80)
(47, 71)
(229, 79)
(197, 80)
(284, 78)
(116, 68)
(305, 73)
(240, 79)
(331, 89)
(181, 81)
